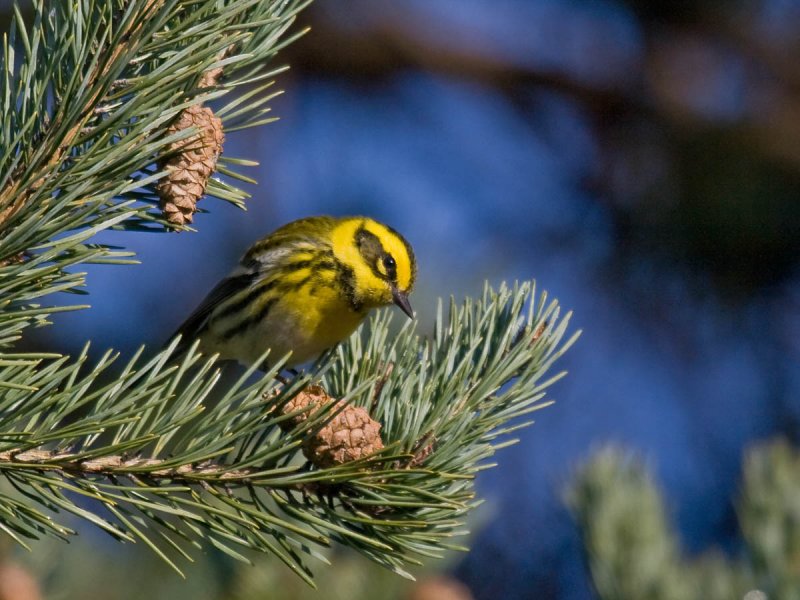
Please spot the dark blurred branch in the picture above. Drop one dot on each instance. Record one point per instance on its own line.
(376, 54)
(770, 124)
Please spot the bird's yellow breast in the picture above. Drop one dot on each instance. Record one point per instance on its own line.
(321, 315)
(306, 321)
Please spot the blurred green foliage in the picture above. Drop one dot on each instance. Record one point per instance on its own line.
(633, 552)
(131, 573)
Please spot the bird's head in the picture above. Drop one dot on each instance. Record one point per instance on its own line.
(377, 262)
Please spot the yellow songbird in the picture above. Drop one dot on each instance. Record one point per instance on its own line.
(303, 288)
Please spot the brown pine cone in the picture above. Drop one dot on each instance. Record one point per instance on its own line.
(193, 162)
(350, 435)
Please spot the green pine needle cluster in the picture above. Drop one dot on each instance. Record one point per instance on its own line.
(633, 552)
(174, 471)
(88, 90)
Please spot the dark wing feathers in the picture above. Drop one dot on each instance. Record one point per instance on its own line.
(262, 257)
(196, 322)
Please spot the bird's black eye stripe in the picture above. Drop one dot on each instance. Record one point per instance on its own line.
(381, 262)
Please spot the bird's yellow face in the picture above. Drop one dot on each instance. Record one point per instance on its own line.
(378, 261)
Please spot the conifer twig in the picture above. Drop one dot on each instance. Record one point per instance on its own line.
(167, 466)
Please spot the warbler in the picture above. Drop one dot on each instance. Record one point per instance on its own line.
(302, 289)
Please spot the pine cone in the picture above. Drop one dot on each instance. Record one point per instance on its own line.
(211, 78)
(350, 435)
(16, 259)
(194, 162)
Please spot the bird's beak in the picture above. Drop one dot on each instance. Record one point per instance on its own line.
(401, 299)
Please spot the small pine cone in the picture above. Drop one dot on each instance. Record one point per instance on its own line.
(423, 449)
(16, 259)
(210, 78)
(194, 162)
(350, 435)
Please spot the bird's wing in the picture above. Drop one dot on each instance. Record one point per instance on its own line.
(197, 321)
(259, 261)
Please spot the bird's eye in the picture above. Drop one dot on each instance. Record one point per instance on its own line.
(389, 263)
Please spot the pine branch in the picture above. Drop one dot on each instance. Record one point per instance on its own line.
(632, 551)
(88, 93)
(72, 464)
(172, 469)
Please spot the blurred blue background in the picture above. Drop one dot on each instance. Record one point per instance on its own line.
(640, 159)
